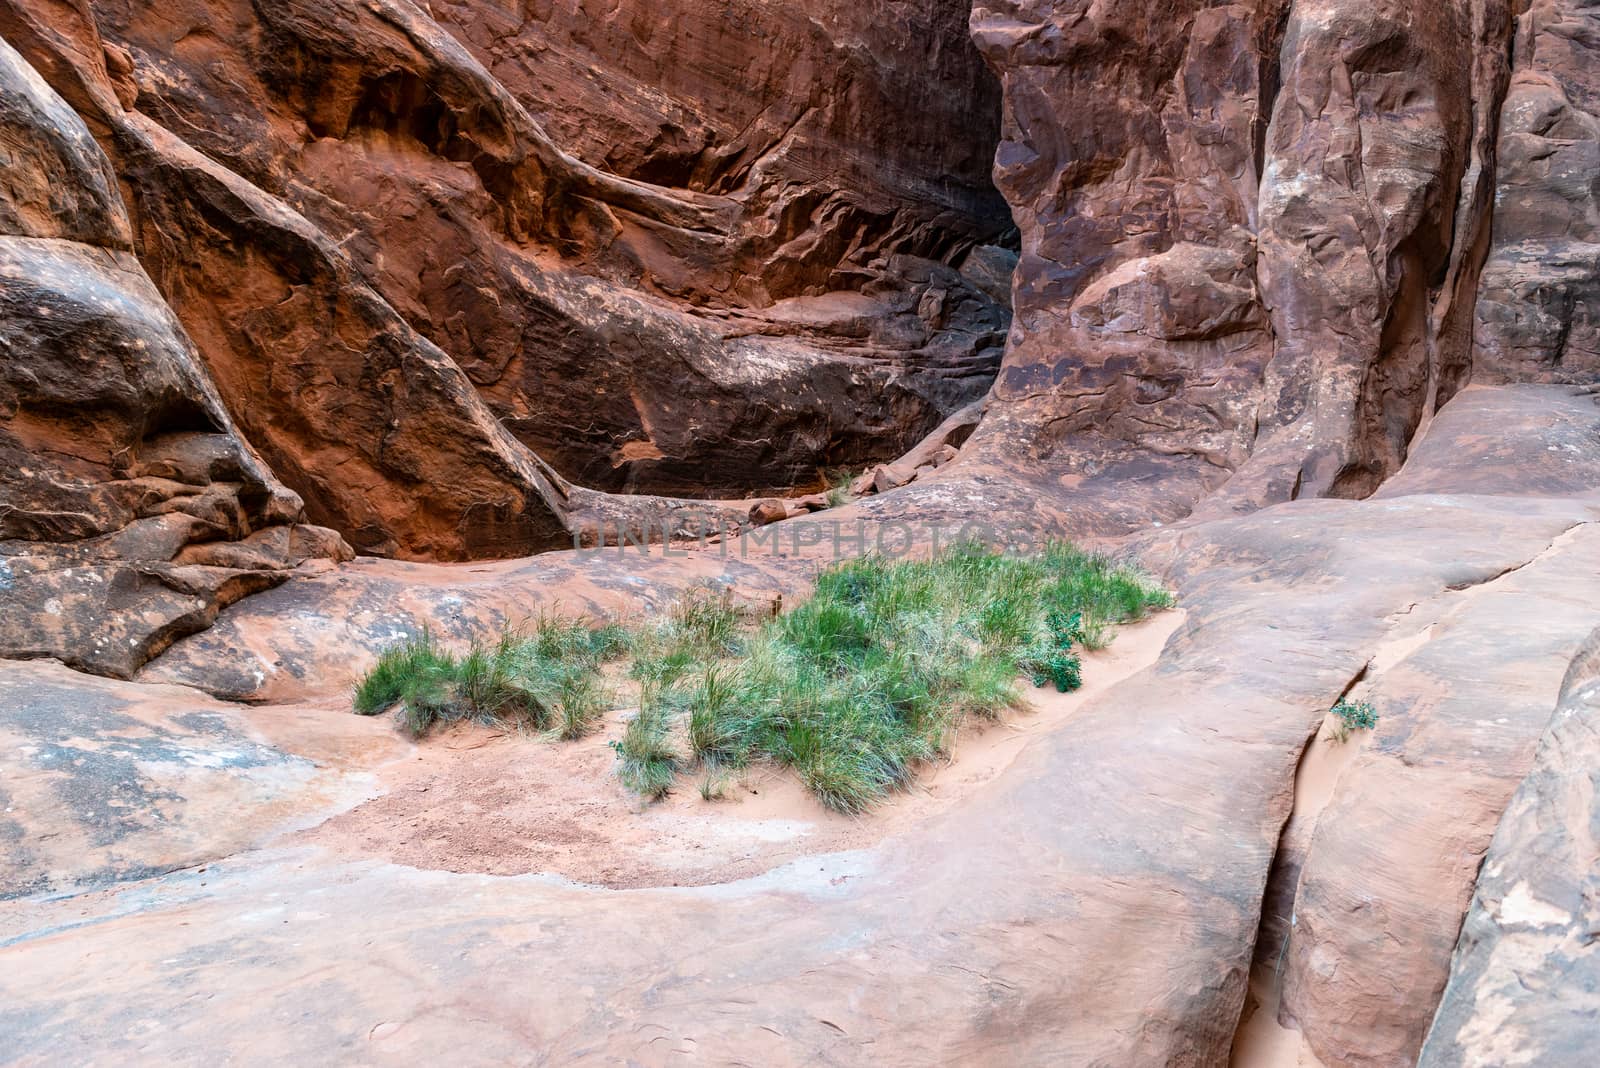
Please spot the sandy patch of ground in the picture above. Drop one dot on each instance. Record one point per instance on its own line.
(478, 800)
(1263, 1042)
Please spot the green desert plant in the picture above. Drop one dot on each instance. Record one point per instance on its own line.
(702, 625)
(581, 700)
(875, 672)
(1052, 660)
(714, 787)
(881, 666)
(546, 677)
(1352, 716)
(718, 734)
(647, 763)
(418, 677)
(838, 487)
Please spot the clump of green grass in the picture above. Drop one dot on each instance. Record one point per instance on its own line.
(703, 625)
(546, 677)
(880, 668)
(714, 787)
(647, 762)
(417, 671)
(1352, 716)
(838, 487)
(875, 673)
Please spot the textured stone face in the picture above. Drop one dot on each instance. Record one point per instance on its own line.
(1251, 233)
(1538, 313)
(882, 111)
(1371, 210)
(1526, 982)
(1132, 161)
(130, 510)
(620, 322)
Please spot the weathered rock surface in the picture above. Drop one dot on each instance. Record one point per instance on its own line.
(1537, 316)
(1131, 162)
(702, 321)
(1525, 988)
(1111, 922)
(1251, 243)
(1390, 867)
(131, 511)
(104, 782)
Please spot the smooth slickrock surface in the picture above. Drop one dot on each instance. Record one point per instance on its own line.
(1526, 983)
(105, 782)
(1121, 933)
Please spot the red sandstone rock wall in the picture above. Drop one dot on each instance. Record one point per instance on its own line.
(1252, 233)
(446, 261)
(131, 511)
(619, 319)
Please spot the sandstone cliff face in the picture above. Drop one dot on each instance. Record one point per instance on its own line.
(1537, 316)
(131, 511)
(624, 331)
(1251, 242)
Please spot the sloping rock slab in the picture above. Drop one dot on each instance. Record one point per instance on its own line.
(1525, 987)
(1096, 905)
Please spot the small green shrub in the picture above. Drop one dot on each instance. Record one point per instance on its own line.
(1053, 661)
(1061, 668)
(1352, 716)
(647, 763)
(875, 672)
(547, 678)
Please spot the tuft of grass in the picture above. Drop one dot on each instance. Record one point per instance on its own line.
(546, 677)
(880, 668)
(581, 700)
(714, 787)
(418, 677)
(647, 763)
(398, 670)
(1352, 716)
(838, 487)
(702, 625)
(852, 689)
(719, 735)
